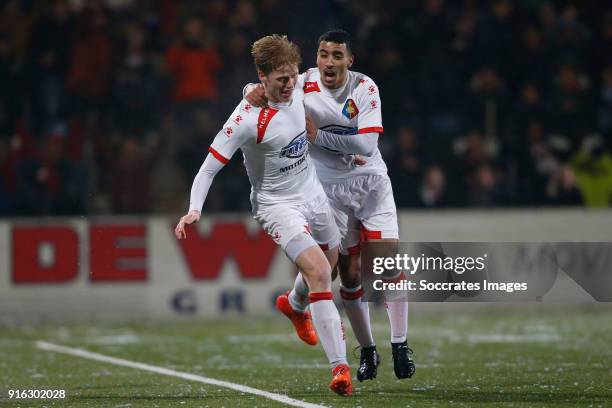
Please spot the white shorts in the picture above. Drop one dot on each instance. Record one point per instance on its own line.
(283, 221)
(364, 209)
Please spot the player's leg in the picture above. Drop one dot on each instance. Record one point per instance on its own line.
(356, 310)
(282, 223)
(358, 313)
(293, 304)
(326, 234)
(317, 273)
(323, 230)
(297, 297)
(288, 227)
(379, 222)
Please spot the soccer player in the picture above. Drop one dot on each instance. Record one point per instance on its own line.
(287, 198)
(344, 120)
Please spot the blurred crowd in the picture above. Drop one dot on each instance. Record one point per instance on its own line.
(110, 106)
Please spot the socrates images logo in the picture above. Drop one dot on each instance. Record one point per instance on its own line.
(350, 109)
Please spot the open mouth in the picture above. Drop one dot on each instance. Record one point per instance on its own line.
(329, 75)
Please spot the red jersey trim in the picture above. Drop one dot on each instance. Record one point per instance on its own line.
(311, 87)
(218, 155)
(374, 129)
(265, 116)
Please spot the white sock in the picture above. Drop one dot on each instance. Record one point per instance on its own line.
(397, 310)
(298, 297)
(358, 313)
(329, 327)
(398, 320)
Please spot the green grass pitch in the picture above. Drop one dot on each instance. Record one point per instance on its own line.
(466, 355)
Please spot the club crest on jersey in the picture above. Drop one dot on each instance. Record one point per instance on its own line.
(350, 109)
(296, 148)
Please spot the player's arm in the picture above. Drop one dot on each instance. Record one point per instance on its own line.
(255, 94)
(225, 144)
(361, 144)
(199, 191)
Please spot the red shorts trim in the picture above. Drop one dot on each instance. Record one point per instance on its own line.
(367, 235)
(354, 249)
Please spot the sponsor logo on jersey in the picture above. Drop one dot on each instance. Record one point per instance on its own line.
(340, 130)
(350, 109)
(238, 119)
(295, 165)
(265, 116)
(337, 130)
(371, 90)
(296, 148)
(311, 87)
(228, 131)
(373, 104)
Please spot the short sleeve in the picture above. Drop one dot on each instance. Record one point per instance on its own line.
(235, 133)
(369, 119)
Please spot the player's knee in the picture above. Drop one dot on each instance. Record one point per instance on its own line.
(334, 274)
(332, 257)
(319, 277)
(350, 271)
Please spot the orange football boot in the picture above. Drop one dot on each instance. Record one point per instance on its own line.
(341, 384)
(301, 321)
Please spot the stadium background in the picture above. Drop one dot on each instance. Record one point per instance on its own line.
(497, 113)
(108, 107)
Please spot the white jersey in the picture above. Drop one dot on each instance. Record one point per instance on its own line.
(349, 111)
(275, 149)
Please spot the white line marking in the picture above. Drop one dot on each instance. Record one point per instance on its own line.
(43, 345)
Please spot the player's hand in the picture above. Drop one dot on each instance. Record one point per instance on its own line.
(256, 95)
(359, 160)
(311, 130)
(189, 218)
